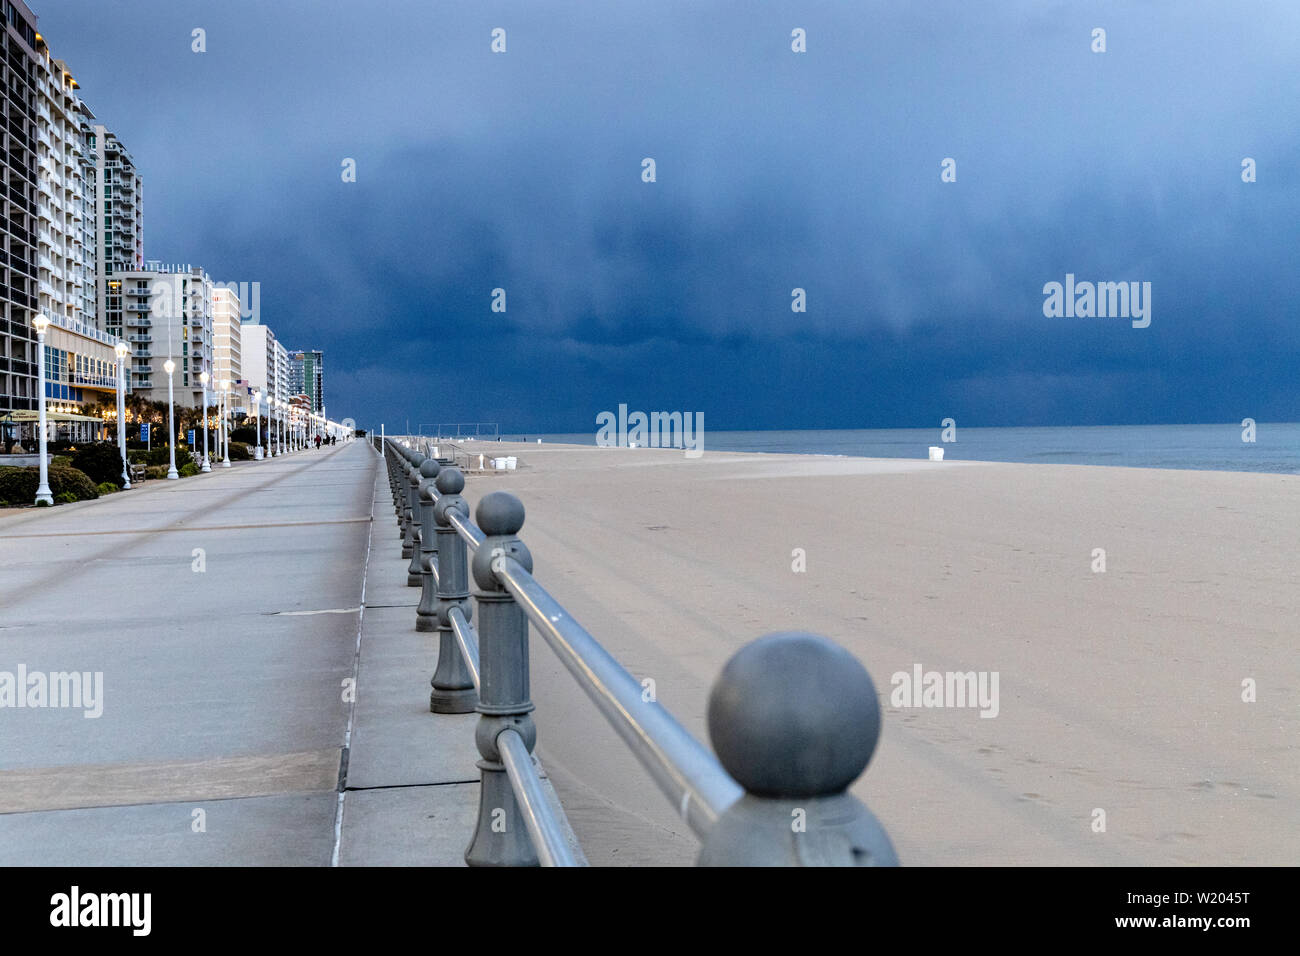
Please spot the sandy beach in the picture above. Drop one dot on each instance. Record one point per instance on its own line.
(1121, 690)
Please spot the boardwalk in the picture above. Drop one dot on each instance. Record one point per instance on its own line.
(221, 611)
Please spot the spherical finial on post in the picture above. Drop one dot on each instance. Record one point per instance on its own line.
(450, 482)
(794, 719)
(794, 715)
(429, 468)
(499, 513)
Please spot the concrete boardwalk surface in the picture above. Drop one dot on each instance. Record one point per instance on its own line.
(222, 612)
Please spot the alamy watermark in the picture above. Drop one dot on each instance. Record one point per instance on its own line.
(1102, 300)
(655, 430)
(921, 688)
(170, 297)
(81, 690)
(131, 911)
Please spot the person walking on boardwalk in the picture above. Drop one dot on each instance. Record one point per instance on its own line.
(318, 442)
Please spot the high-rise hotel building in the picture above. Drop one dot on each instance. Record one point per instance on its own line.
(227, 342)
(167, 312)
(18, 282)
(307, 377)
(119, 241)
(81, 366)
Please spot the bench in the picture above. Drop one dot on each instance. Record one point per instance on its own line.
(137, 473)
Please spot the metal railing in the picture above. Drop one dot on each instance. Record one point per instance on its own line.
(793, 718)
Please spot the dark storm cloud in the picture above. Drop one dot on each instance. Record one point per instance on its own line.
(775, 170)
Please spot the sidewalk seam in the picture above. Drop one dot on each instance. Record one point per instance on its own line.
(356, 676)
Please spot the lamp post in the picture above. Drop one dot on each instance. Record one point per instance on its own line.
(43, 489)
(169, 367)
(120, 350)
(225, 427)
(257, 420)
(203, 377)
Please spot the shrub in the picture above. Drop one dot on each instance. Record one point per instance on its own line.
(239, 451)
(189, 470)
(101, 461)
(107, 488)
(18, 485)
(244, 435)
(161, 456)
(65, 498)
(155, 471)
(63, 460)
(65, 480)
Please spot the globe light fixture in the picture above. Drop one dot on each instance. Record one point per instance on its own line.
(169, 367)
(203, 377)
(43, 495)
(121, 351)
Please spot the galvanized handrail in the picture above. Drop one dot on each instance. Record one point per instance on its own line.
(467, 640)
(793, 718)
(548, 838)
(685, 771)
(467, 530)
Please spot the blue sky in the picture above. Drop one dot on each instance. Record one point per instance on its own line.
(775, 170)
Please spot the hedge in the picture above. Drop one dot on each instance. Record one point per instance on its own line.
(102, 461)
(160, 456)
(18, 485)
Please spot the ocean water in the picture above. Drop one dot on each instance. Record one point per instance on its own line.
(1202, 447)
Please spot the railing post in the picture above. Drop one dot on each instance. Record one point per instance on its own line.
(399, 477)
(394, 469)
(453, 686)
(795, 719)
(415, 570)
(410, 479)
(426, 614)
(500, 837)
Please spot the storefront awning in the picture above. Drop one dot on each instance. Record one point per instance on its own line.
(27, 415)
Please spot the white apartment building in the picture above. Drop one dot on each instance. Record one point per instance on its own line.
(167, 312)
(119, 212)
(260, 359)
(280, 389)
(80, 364)
(227, 342)
(65, 182)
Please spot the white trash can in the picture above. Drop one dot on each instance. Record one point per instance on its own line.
(512, 463)
(936, 453)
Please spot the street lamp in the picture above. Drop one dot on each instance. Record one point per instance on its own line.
(43, 489)
(225, 427)
(203, 377)
(121, 351)
(169, 367)
(257, 420)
